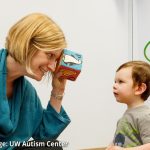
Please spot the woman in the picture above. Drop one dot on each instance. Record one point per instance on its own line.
(33, 47)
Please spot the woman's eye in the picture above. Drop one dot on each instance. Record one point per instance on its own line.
(49, 56)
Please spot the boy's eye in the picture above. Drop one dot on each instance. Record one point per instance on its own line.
(120, 81)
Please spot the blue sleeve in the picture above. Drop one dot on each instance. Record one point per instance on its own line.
(46, 123)
(52, 123)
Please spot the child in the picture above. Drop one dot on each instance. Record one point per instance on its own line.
(132, 87)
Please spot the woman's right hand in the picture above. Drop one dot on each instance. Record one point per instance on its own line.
(114, 148)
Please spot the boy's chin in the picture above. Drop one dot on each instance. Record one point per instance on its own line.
(118, 100)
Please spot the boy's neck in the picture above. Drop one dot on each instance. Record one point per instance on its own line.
(136, 103)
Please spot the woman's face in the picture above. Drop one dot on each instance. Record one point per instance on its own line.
(42, 62)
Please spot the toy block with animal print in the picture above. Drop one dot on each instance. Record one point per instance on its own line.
(70, 65)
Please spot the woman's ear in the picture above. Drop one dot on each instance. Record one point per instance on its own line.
(139, 89)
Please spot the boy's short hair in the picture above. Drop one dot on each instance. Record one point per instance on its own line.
(140, 74)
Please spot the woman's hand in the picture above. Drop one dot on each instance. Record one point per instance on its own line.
(58, 84)
(58, 88)
(142, 147)
(114, 148)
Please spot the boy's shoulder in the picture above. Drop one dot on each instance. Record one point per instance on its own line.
(139, 113)
(135, 116)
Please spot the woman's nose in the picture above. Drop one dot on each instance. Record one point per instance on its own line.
(52, 66)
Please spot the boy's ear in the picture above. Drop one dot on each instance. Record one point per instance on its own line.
(139, 89)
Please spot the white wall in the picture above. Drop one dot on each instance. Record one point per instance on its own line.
(141, 30)
(141, 27)
(99, 30)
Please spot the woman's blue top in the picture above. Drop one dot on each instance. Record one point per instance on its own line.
(23, 117)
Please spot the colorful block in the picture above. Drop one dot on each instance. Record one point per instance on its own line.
(70, 65)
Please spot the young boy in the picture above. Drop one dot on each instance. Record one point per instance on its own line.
(132, 87)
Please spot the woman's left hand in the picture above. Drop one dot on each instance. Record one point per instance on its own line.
(58, 88)
(58, 84)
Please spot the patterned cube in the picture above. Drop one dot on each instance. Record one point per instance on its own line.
(70, 65)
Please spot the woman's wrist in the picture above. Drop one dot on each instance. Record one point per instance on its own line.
(56, 99)
(57, 96)
(58, 91)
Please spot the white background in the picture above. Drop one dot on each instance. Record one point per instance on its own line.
(141, 28)
(100, 30)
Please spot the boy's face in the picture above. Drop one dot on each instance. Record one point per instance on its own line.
(123, 87)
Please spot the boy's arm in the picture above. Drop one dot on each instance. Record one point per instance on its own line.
(142, 147)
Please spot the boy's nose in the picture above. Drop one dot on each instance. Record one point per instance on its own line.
(114, 86)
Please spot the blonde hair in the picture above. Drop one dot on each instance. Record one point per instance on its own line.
(34, 32)
(140, 74)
